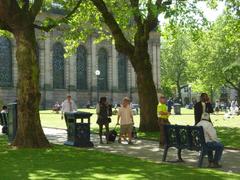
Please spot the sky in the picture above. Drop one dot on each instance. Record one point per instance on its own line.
(211, 14)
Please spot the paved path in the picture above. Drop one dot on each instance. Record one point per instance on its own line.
(149, 150)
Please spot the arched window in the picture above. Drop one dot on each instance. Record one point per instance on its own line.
(5, 62)
(58, 66)
(81, 68)
(122, 72)
(103, 67)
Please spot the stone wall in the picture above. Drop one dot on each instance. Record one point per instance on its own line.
(50, 95)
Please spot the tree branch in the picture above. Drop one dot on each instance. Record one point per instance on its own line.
(36, 7)
(25, 5)
(136, 12)
(8, 12)
(232, 84)
(151, 22)
(158, 3)
(62, 20)
(122, 44)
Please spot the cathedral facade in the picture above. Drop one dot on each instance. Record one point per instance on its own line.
(76, 75)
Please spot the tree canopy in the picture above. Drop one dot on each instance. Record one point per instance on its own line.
(212, 55)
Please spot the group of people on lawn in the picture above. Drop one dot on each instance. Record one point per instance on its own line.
(202, 111)
(104, 111)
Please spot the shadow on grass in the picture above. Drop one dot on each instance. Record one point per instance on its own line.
(63, 162)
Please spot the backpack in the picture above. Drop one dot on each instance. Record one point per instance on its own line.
(112, 135)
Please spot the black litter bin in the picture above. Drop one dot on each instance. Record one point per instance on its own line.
(177, 109)
(12, 121)
(78, 132)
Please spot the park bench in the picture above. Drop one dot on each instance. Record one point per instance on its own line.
(185, 137)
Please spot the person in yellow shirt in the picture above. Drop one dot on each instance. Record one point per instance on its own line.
(163, 114)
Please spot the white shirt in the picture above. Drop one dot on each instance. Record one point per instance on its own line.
(4, 111)
(126, 115)
(68, 106)
(210, 133)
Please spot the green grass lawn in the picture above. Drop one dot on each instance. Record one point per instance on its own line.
(62, 162)
(228, 130)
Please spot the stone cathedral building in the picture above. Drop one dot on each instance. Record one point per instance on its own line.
(76, 75)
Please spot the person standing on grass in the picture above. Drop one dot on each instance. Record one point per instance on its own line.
(163, 115)
(68, 106)
(212, 141)
(203, 106)
(102, 110)
(125, 116)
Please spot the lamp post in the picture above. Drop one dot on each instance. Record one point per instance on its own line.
(97, 73)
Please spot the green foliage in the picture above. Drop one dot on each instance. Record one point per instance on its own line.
(174, 60)
(215, 56)
(233, 7)
(5, 33)
(88, 20)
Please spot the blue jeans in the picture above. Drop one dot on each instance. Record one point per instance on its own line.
(218, 148)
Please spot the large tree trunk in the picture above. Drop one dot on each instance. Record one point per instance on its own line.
(30, 133)
(146, 91)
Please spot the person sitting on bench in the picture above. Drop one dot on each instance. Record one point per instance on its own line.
(212, 141)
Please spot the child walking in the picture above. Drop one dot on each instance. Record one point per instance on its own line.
(125, 116)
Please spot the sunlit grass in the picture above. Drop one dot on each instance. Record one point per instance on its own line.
(63, 163)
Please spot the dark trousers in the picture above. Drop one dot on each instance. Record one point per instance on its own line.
(161, 123)
(218, 148)
(101, 130)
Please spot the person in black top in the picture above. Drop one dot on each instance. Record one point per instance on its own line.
(203, 106)
(103, 117)
(170, 105)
